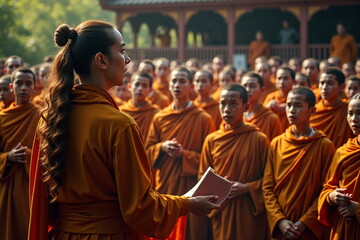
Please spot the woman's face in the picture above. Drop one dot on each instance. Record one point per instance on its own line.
(118, 60)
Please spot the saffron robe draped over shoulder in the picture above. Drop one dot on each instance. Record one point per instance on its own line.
(332, 121)
(212, 108)
(344, 172)
(293, 178)
(17, 125)
(158, 99)
(343, 47)
(267, 121)
(266, 91)
(106, 181)
(189, 126)
(280, 99)
(239, 154)
(142, 115)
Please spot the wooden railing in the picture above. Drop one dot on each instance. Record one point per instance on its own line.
(205, 54)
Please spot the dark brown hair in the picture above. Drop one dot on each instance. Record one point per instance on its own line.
(80, 45)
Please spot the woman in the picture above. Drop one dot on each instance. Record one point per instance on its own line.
(93, 158)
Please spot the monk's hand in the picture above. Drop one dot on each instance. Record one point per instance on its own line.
(238, 189)
(348, 210)
(171, 147)
(203, 205)
(288, 229)
(300, 226)
(339, 197)
(17, 154)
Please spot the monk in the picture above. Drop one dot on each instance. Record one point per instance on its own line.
(275, 63)
(265, 119)
(348, 69)
(331, 110)
(302, 80)
(13, 62)
(352, 86)
(174, 143)
(162, 71)
(44, 71)
(357, 67)
(295, 172)
(203, 82)
(217, 65)
(275, 101)
(225, 77)
(6, 95)
(264, 70)
(258, 48)
(138, 108)
(339, 200)
(343, 45)
(154, 96)
(237, 151)
(17, 123)
(310, 67)
(295, 64)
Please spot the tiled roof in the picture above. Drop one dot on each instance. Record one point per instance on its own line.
(154, 2)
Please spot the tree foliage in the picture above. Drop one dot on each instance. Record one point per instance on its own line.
(27, 26)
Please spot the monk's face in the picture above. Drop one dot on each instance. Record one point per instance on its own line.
(357, 67)
(348, 70)
(180, 85)
(284, 81)
(162, 70)
(264, 71)
(232, 107)
(300, 81)
(253, 88)
(23, 87)
(225, 79)
(353, 116)
(351, 88)
(6, 95)
(297, 109)
(310, 68)
(217, 65)
(140, 88)
(330, 88)
(295, 65)
(202, 84)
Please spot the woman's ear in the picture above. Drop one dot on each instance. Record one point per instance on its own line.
(101, 61)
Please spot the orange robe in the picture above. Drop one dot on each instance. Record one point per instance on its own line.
(343, 47)
(293, 178)
(159, 99)
(106, 188)
(258, 49)
(281, 99)
(163, 88)
(17, 125)
(332, 121)
(267, 121)
(216, 95)
(266, 91)
(212, 108)
(142, 115)
(189, 126)
(39, 99)
(344, 172)
(239, 154)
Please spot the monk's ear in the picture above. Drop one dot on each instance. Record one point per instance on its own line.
(342, 87)
(101, 61)
(312, 110)
(246, 107)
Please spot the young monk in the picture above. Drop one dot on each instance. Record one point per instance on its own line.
(264, 70)
(295, 171)
(275, 101)
(44, 71)
(154, 96)
(275, 63)
(138, 108)
(12, 63)
(96, 167)
(6, 95)
(263, 118)
(162, 71)
(348, 69)
(175, 140)
(295, 64)
(242, 215)
(302, 80)
(203, 82)
(217, 65)
(310, 67)
(225, 77)
(17, 130)
(331, 110)
(357, 67)
(352, 86)
(340, 197)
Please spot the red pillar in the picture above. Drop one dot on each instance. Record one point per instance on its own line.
(230, 34)
(304, 32)
(181, 36)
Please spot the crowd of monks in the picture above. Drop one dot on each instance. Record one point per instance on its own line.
(273, 132)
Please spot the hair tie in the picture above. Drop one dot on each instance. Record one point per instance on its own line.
(72, 34)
